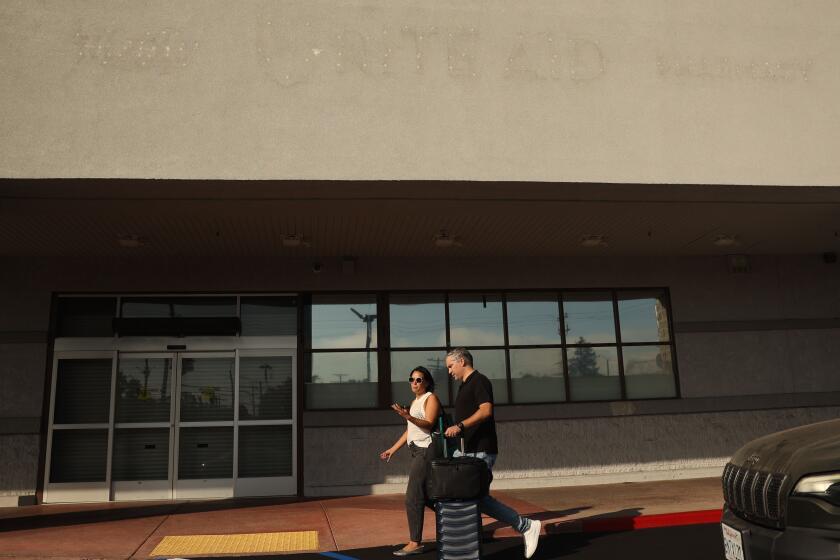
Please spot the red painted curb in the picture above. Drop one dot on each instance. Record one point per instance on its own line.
(612, 524)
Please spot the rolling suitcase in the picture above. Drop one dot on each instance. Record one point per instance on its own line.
(457, 486)
(462, 478)
(458, 529)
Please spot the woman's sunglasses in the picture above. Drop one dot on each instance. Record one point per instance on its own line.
(415, 380)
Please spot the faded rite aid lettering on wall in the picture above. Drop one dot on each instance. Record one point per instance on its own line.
(160, 49)
(291, 55)
(733, 68)
(295, 54)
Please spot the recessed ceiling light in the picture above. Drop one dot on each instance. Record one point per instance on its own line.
(726, 240)
(593, 241)
(444, 240)
(295, 240)
(132, 241)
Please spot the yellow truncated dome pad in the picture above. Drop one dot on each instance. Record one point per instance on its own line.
(182, 545)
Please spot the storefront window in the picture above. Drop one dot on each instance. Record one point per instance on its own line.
(644, 317)
(535, 347)
(265, 388)
(269, 316)
(594, 373)
(534, 319)
(402, 364)
(476, 320)
(649, 372)
(79, 456)
(418, 321)
(342, 370)
(86, 316)
(343, 322)
(589, 317)
(265, 451)
(536, 375)
(82, 391)
(170, 307)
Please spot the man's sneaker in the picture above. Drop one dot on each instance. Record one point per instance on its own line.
(532, 537)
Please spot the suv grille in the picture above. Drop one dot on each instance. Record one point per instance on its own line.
(755, 495)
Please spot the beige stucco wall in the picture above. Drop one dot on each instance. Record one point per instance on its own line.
(740, 92)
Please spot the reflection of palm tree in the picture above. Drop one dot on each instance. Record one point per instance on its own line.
(146, 372)
(368, 321)
(164, 384)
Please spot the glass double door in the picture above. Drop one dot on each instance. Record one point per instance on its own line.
(203, 425)
(173, 425)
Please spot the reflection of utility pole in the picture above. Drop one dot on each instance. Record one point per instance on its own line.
(560, 324)
(265, 368)
(435, 363)
(340, 376)
(368, 321)
(253, 404)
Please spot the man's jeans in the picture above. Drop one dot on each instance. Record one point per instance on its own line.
(491, 506)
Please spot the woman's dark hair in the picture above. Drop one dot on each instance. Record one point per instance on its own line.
(427, 377)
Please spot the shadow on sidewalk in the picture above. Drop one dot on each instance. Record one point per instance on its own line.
(623, 519)
(539, 515)
(43, 518)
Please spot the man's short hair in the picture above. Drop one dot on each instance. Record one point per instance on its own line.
(461, 353)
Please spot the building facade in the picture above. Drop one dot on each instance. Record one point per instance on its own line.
(226, 237)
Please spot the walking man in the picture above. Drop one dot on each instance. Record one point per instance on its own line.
(475, 423)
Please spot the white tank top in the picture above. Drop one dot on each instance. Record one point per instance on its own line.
(417, 435)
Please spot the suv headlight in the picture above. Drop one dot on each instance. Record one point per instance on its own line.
(823, 486)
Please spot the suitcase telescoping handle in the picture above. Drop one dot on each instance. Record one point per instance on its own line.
(443, 437)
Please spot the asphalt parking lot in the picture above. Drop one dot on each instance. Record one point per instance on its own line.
(690, 542)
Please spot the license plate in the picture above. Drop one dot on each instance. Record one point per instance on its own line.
(733, 543)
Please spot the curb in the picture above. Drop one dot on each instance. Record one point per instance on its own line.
(618, 523)
(614, 524)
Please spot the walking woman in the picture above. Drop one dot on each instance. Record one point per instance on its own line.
(420, 421)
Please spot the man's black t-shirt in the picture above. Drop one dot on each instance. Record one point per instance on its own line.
(473, 392)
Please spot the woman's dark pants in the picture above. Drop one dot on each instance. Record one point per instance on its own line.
(415, 495)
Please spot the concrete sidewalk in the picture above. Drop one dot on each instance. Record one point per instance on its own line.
(132, 530)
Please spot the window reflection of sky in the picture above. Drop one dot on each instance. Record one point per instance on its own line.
(643, 319)
(418, 324)
(335, 325)
(343, 367)
(536, 362)
(589, 317)
(476, 320)
(535, 320)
